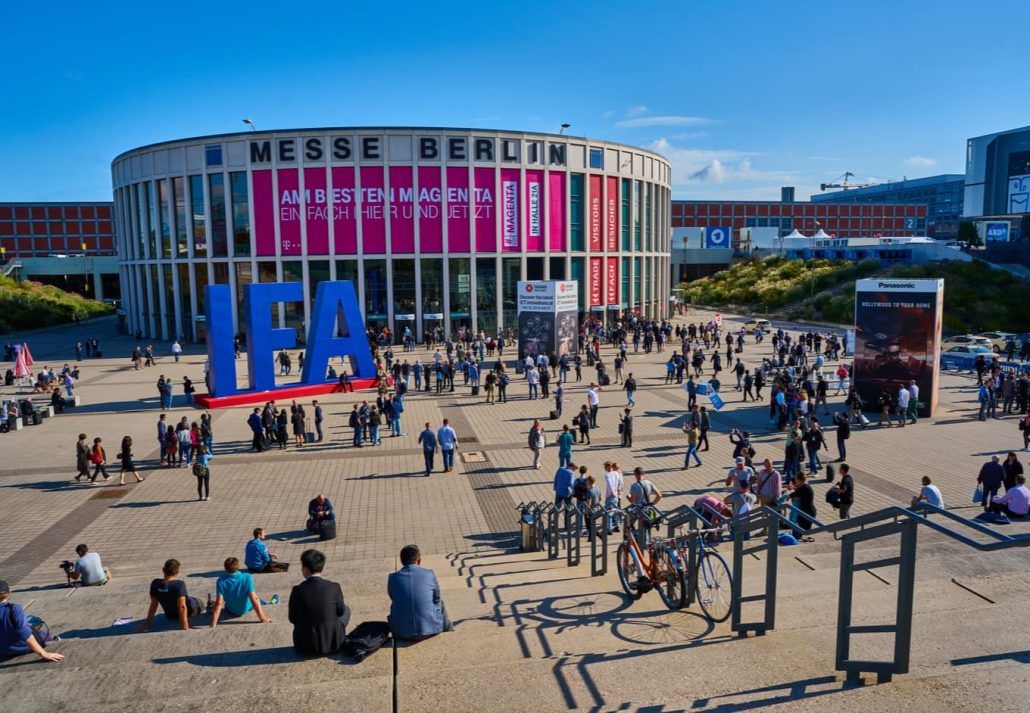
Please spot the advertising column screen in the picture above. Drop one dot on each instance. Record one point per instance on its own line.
(548, 317)
(897, 339)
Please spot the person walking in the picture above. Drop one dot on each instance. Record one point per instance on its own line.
(257, 430)
(583, 421)
(613, 494)
(188, 389)
(428, 440)
(176, 350)
(128, 466)
(182, 435)
(630, 387)
(202, 471)
(98, 457)
(594, 400)
(990, 481)
(563, 479)
(693, 435)
(319, 417)
(703, 426)
(537, 442)
(913, 400)
(565, 441)
(82, 457)
(281, 429)
(448, 441)
(813, 439)
(843, 434)
(845, 491)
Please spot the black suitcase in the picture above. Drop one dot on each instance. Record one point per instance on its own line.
(475, 391)
(554, 415)
(327, 531)
(831, 472)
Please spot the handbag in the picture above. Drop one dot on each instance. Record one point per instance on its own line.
(978, 494)
(622, 428)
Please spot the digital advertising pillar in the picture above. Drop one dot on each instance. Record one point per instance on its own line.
(548, 317)
(898, 339)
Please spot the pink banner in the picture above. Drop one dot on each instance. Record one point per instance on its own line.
(611, 233)
(612, 281)
(511, 240)
(595, 213)
(316, 211)
(457, 209)
(556, 203)
(430, 210)
(264, 212)
(345, 212)
(373, 210)
(402, 209)
(534, 218)
(596, 277)
(485, 210)
(290, 208)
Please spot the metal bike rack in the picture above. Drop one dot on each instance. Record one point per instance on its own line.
(597, 524)
(573, 529)
(552, 513)
(538, 525)
(739, 527)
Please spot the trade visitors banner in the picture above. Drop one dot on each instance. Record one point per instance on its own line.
(612, 230)
(897, 338)
(510, 241)
(596, 212)
(596, 280)
(548, 314)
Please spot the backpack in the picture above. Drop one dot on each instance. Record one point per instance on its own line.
(200, 470)
(580, 489)
(367, 638)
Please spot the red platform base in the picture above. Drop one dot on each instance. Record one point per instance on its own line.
(286, 393)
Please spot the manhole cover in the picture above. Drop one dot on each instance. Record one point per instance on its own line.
(109, 494)
(473, 457)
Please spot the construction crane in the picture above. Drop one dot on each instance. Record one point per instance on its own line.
(844, 185)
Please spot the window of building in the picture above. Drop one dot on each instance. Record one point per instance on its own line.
(375, 292)
(213, 154)
(512, 272)
(179, 199)
(197, 210)
(200, 275)
(219, 228)
(624, 225)
(535, 268)
(244, 276)
(459, 270)
(152, 222)
(403, 293)
(625, 280)
(578, 265)
(486, 293)
(639, 206)
(186, 324)
(596, 158)
(166, 231)
(318, 271)
(576, 210)
(431, 273)
(240, 214)
(293, 271)
(557, 267)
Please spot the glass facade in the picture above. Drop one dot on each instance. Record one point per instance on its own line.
(486, 294)
(179, 198)
(166, 231)
(511, 274)
(220, 240)
(431, 270)
(460, 276)
(293, 271)
(404, 291)
(576, 211)
(624, 222)
(240, 214)
(375, 292)
(197, 209)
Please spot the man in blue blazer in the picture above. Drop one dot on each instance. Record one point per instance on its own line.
(416, 609)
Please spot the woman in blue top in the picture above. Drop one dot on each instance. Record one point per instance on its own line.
(202, 470)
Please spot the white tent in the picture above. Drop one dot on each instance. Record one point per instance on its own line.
(822, 235)
(794, 234)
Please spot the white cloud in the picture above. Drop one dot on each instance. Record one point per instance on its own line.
(636, 110)
(608, 114)
(919, 162)
(649, 121)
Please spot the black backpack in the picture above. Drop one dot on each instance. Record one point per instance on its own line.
(367, 638)
(580, 489)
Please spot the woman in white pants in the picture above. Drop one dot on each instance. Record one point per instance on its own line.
(537, 442)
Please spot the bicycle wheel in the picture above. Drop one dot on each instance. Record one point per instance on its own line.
(627, 572)
(673, 588)
(714, 586)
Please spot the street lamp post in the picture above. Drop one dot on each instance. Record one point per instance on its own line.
(85, 269)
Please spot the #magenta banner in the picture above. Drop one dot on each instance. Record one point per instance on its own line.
(612, 232)
(534, 211)
(316, 210)
(596, 276)
(264, 212)
(595, 213)
(510, 210)
(457, 209)
(402, 210)
(612, 281)
(345, 212)
(430, 210)
(290, 207)
(373, 210)
(485, 217)
(556, 216)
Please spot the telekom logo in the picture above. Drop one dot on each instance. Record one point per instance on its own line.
(561, 288)
(529, 288)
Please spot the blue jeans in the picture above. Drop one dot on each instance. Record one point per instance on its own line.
(564, 458)
(613, 520)
(207, 443)
(532, 391)
(418, 382)
(629, 399)
(188, 397)
(983, 411)
(448, 458)
(430, 456)
(395, 425)
(691, 451)
(560, 500)
(185, 450)
(357, 436)
(373, 432)
(813, 460)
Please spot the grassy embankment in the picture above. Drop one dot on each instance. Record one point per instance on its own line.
(30, 305)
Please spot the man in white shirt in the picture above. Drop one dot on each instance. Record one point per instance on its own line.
(613, 493)
(903, 400)
(913, 400)
(594, 400)
(929, 493)
(529, 364)
(533, 378)
(176, 349)
(448, 441)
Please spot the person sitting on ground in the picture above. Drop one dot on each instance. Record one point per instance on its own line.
(235, 592)
(170, 594)
(320, 511)
(929, 493)
(16, 636)
(257, 557)
(317, 610)
(57, 400)
(1015, 502)
(88, 568)
(416, 609)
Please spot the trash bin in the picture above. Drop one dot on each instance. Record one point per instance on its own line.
(526, 543)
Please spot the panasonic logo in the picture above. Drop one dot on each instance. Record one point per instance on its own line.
(896, 285)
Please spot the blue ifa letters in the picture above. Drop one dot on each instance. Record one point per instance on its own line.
(336, 308)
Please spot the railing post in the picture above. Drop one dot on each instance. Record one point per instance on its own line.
(574, 526)
(598, 531)
(772, 549)
(537, 531)
(553, 512)
(906, 593)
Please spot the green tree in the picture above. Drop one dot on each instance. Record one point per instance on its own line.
(967, 234)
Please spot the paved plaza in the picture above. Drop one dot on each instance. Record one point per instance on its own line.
(465, 523)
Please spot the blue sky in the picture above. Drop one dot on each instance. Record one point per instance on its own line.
(743, 97)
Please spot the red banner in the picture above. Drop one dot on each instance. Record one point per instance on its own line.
(596, 278)
(612, 224)
(612, 281)
(595, 213)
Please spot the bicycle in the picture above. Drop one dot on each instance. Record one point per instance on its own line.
(660, 568)
(713, 581)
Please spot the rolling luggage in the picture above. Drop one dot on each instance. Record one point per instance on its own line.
(554, 415)
(327, 531)
(309, 435)
(475, 390)
(831, 472)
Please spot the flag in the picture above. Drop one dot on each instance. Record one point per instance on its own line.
(28, 355)
(717, 402)
(20, 368)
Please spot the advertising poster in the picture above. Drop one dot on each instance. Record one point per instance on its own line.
(345, 212)
(556, 206)
(596, 280)
(264, 212)
(316, 211)
(458, 210)
(373, 210)
(402, 209)
(595, 215)
(611, 233)
(430, 210)
(290, 206)
(485, 204)
(547, 317)
(897, 338)
(611, 281)
(510, 241)
(534, 201)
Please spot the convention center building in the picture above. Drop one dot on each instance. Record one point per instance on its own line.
(435, 226)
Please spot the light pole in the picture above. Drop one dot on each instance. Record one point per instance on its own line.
(563, 128)
(85, 269)
(250, 123)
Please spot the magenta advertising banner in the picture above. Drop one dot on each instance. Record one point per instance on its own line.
(290, 210)
(264, 212)
(485, 210)
(534, 211)
(345, 212)
(373, 210)
(510, 241)
(556, 197)
(316, 211)
(402, 209)
(457, 209)
(430, 210)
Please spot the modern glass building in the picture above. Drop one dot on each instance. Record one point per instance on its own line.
(998, 180)
(942, 196)
(435, 225)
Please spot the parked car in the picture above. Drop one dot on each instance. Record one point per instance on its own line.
(998, 340)
(751, 324)
(963, 356)
(966, 339)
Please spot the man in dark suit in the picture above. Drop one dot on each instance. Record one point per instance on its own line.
(317, 610)
(416, 608)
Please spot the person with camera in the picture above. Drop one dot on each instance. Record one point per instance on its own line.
(16, 635)
(88, 570)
